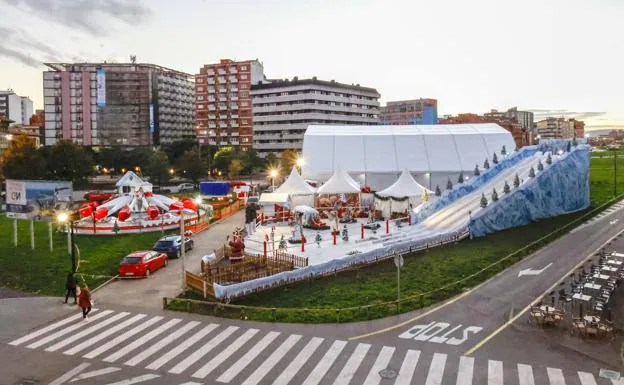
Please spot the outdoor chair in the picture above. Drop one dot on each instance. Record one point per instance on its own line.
(578, 327)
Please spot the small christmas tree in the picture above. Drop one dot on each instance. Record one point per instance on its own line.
(449, 184)
(549, 159)
(484, 201)
(494, 195)
(115, 227)
(460, 178)
(425, 196)
(568, 147)
(516, 181)
(437, 191)
(531, 172)
(540, 166)
(476, 171)
(486, 164)
(574, 142)
(506, 188)
(504, 151)
(494, 159)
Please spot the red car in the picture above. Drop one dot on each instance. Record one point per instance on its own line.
(142, 263)
(97, 196)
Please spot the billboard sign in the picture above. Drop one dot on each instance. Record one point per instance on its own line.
(151, 117)
(37, 199)
(101, 87)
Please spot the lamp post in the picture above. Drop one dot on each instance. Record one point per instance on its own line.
(300, 162)
(273, 175)
(65, 218)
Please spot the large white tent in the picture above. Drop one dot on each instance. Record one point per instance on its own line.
(339, 183)
(376, 155)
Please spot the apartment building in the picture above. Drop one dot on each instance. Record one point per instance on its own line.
(560, 128)
(117, 104)
(283, 109)
(17, 108)
(406, 112)
(223, 102)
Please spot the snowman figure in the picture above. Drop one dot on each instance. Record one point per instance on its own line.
(318, 239)
(345, 234)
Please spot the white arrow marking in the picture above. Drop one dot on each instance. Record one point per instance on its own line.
(70, 374)
(95, 373)
(613, 221)
(136, 380)
(530, 271)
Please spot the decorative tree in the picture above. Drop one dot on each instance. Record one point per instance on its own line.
(494, 195)
(449, 184)
(437, 191)
(531, 172)
(516, 181)
(574, 142)
(460, 178)
(517, 149)
(506, 188)
(486, 164)
(494, 159)
(540, 166)
(504, 151)
(568, 147)
(484, 201)
(549, 159)
(476, 170)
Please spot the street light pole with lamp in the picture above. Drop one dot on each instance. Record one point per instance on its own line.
(300, 162)
(273, 175)
(66, 219)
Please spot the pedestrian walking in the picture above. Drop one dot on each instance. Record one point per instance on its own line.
(84, 301)
(70, 286)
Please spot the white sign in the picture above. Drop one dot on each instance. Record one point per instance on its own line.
(431, 332)
(101, 87)
(15, 192)
(398, 261)
(530, 271)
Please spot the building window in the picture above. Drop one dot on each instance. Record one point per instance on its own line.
(200, 106)
(243, 68)
(244, 76)
(200, 80)
(200, 89)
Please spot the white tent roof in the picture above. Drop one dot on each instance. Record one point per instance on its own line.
(295, 185)
(388, 149)
(273, 198)
(405, 186)
(339, 183)
(131, 179)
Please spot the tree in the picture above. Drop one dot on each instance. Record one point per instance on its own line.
(531, 172)
(191, 165)
(494, 195)
(223, 157)
(21, 160)
(176, 149)
(484, 201)
(460, 178)
(540, 166)
(139, 157)
(289, 159)
(235, 168)
(271, 159)
(437, 191)
(158, 168)
(476, 171)
(549, 159)
(449, 184)
(516, 181)
(494, 159)
(503, 151)
(113, 158)
(506, 188)
(486, 164)
(67, 160)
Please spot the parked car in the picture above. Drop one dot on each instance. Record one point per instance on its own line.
(184, 187)
(97, 196)
(159, 189)
(142, 263)
(171, 245)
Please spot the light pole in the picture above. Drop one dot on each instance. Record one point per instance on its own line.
(300, 162)
(273, 175)
(65, 218)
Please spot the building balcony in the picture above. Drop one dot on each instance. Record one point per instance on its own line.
(222, 99)
(212, 116)
(276, 146)
(212, 108)
(223, 116)
(235, 142)
(235, 133)
(233, 98)
(221, 71)
(233, 79)
(223, 143)
(221, 79)
(211, 81)
(212, 134)
(234, 106)
(222, 107)
(222, 90)
(233, 70)
(234, 125)
(222, 125)
(212, 125)
(212, 142)
(234, 116)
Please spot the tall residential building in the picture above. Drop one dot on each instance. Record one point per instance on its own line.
(223, 102)
(403, 112)
(17, 108)
(579, 129)
(283, 109)
(523, 118)
(117, 104)
(560, 128)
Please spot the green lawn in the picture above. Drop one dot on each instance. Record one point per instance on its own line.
(602, 176)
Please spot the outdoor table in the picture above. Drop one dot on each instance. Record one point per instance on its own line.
(600, 277)
(547, 309)
(614, 262)
(619, 255)
(592, 288)
(591, 319)
(609, 270)
(582, 297)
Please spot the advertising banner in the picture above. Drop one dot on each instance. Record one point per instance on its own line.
(101, 87)
(37, 199)
(151, 118)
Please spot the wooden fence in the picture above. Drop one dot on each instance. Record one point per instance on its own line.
(222, 213)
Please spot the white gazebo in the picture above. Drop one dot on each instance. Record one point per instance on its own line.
(298, 190)
(401, 194)
(338, 184)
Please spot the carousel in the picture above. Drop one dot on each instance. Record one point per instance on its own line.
(136, 209)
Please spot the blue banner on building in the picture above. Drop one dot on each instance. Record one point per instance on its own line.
(101, 87)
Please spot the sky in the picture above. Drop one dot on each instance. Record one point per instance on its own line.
(555, 57)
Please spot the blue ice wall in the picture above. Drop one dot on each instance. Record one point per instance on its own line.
(560, 188)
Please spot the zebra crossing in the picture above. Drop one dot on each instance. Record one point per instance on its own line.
(228, 354)
(612, 209)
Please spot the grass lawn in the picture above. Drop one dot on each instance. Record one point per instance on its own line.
(602, 176)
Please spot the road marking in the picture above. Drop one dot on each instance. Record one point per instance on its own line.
(273, 359)
(531, 271)
(117, 340)
(181, 347)
(525, 375)
(384, 357)
(136, 380)
(161, 344)
(325, 363)
(95, 373)
(67, 330)
(587, 378)
(352, 365)
(61, 380)
(142, 340)
(103, 335)
(408, 367)
(242, 363)
(465, 371)
(225, 353)
(296, 364)
(85, 332)
(436, 369)
(555, 376)
(495, 372)
(46, 329)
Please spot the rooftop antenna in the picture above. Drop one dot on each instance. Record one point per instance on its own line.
(133, 59)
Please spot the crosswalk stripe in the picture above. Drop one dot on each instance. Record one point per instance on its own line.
(46, 329)
(587, 378)
(465, 371)
(62, 379)
(75, 337)
(142, 340)
(272, 360)
(136, 380)
(67, 330)
(352, 365)
(525, 374)
(436, 369)
(199, 353)
(495, 372)
(181, 347)
(95, 373)
(325, 363)
(104, 334)
(161, 344)
(408, 367)
(119, 339)
(298, 362)
(384, 357)
(555, 376)
(242, 363)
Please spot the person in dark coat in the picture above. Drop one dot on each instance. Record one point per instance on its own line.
(70, 285)
(84, 301)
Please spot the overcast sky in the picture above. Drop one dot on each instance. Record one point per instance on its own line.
(561, 58)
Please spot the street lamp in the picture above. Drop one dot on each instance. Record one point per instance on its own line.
(9, 137)
(273, 174)
(65, 219)
(300, 162)
(171, 171)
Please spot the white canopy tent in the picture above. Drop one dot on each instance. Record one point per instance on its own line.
(339, 183)
(299, 191)
(405, 187)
